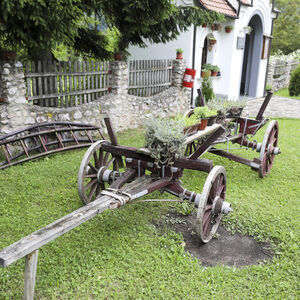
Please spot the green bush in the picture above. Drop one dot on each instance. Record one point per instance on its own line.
(294, 86)
(207, 89)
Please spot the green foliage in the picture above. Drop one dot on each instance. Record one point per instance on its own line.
(215, 68)
(207, 89)
(294, 86)
(202, 112)
(179, 50)
(188, 121)
(229, 27)
(164, 138)
(268, 87)
(39, 25)
(287, 27)
(285, 93)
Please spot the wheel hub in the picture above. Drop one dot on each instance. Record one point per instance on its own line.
(220, 206)
(105, 175)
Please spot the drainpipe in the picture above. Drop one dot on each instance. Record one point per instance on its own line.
(268, 60)
(193, 62)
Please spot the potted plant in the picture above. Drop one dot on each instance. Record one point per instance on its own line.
(164, 138)
(207, 89)
(118, 55)
(268, 87)
(215, 27)
(228, 28)
(7, 55)
(234, 108)
(205, 72)
(179, 52)
(214, 70)
(191, 124)
(204, 25)
(203, 113)
(212, 41)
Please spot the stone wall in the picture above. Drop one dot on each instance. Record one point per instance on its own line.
(283, 80)
(126, 111)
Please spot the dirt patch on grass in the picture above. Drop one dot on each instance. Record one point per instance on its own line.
(225, 249)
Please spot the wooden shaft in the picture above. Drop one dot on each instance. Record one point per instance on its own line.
(264, 106)
(184, 163)
(236, 158)
(113, 138)
(30, 275)
(52, 231)
(205, 146)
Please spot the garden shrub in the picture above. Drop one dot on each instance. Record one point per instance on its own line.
(207, 89)
(294, 86)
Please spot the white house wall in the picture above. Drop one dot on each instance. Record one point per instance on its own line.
(224, 54)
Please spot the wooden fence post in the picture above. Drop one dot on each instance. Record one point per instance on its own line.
(30, 273)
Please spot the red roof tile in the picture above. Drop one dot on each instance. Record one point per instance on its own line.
(247, 2)
(221, 6)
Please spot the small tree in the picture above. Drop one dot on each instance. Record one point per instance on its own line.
(207, 89)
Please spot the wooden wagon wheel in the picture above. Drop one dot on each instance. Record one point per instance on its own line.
(96, 172)
(210, 206)
(268, 149)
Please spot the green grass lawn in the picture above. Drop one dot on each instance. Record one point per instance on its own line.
(121, 255)
(285, 93)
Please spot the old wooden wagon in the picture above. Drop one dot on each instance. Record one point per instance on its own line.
(111, 175)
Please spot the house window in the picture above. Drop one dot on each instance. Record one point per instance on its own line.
(204, 52)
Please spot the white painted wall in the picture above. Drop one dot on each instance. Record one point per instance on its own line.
(225, 53)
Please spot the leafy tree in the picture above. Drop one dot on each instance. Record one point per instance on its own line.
(38, 26)
(287, 27)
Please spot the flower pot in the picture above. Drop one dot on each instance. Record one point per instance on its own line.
(204, 25)
(205, 74)
(213, 73)
(189, 130)
(118, 56)
(8, 55)
(203, 124)
(234, 112)
(215, 27)
(228, 30)
(212, 42)
(211, 120)
(179, 55)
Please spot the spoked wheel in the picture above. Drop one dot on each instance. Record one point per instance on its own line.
(269, 149)
(212, 205)
(97, 170)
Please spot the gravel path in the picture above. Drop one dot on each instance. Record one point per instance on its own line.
(278, 107)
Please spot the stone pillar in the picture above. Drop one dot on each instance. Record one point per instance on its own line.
(178, 71)
(12, 83)
(118, 81)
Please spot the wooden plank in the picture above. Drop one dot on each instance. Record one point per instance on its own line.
(39, 86)
(45, 83)
(93, 81)
(64, 73)
(66, 98)
(55, 83)
(85, 92)
(88, 78)
(28, 81)
(84, 82)
(264, 106)
(30, 275)
(70, 77)
(75, 84)
(52, 231)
